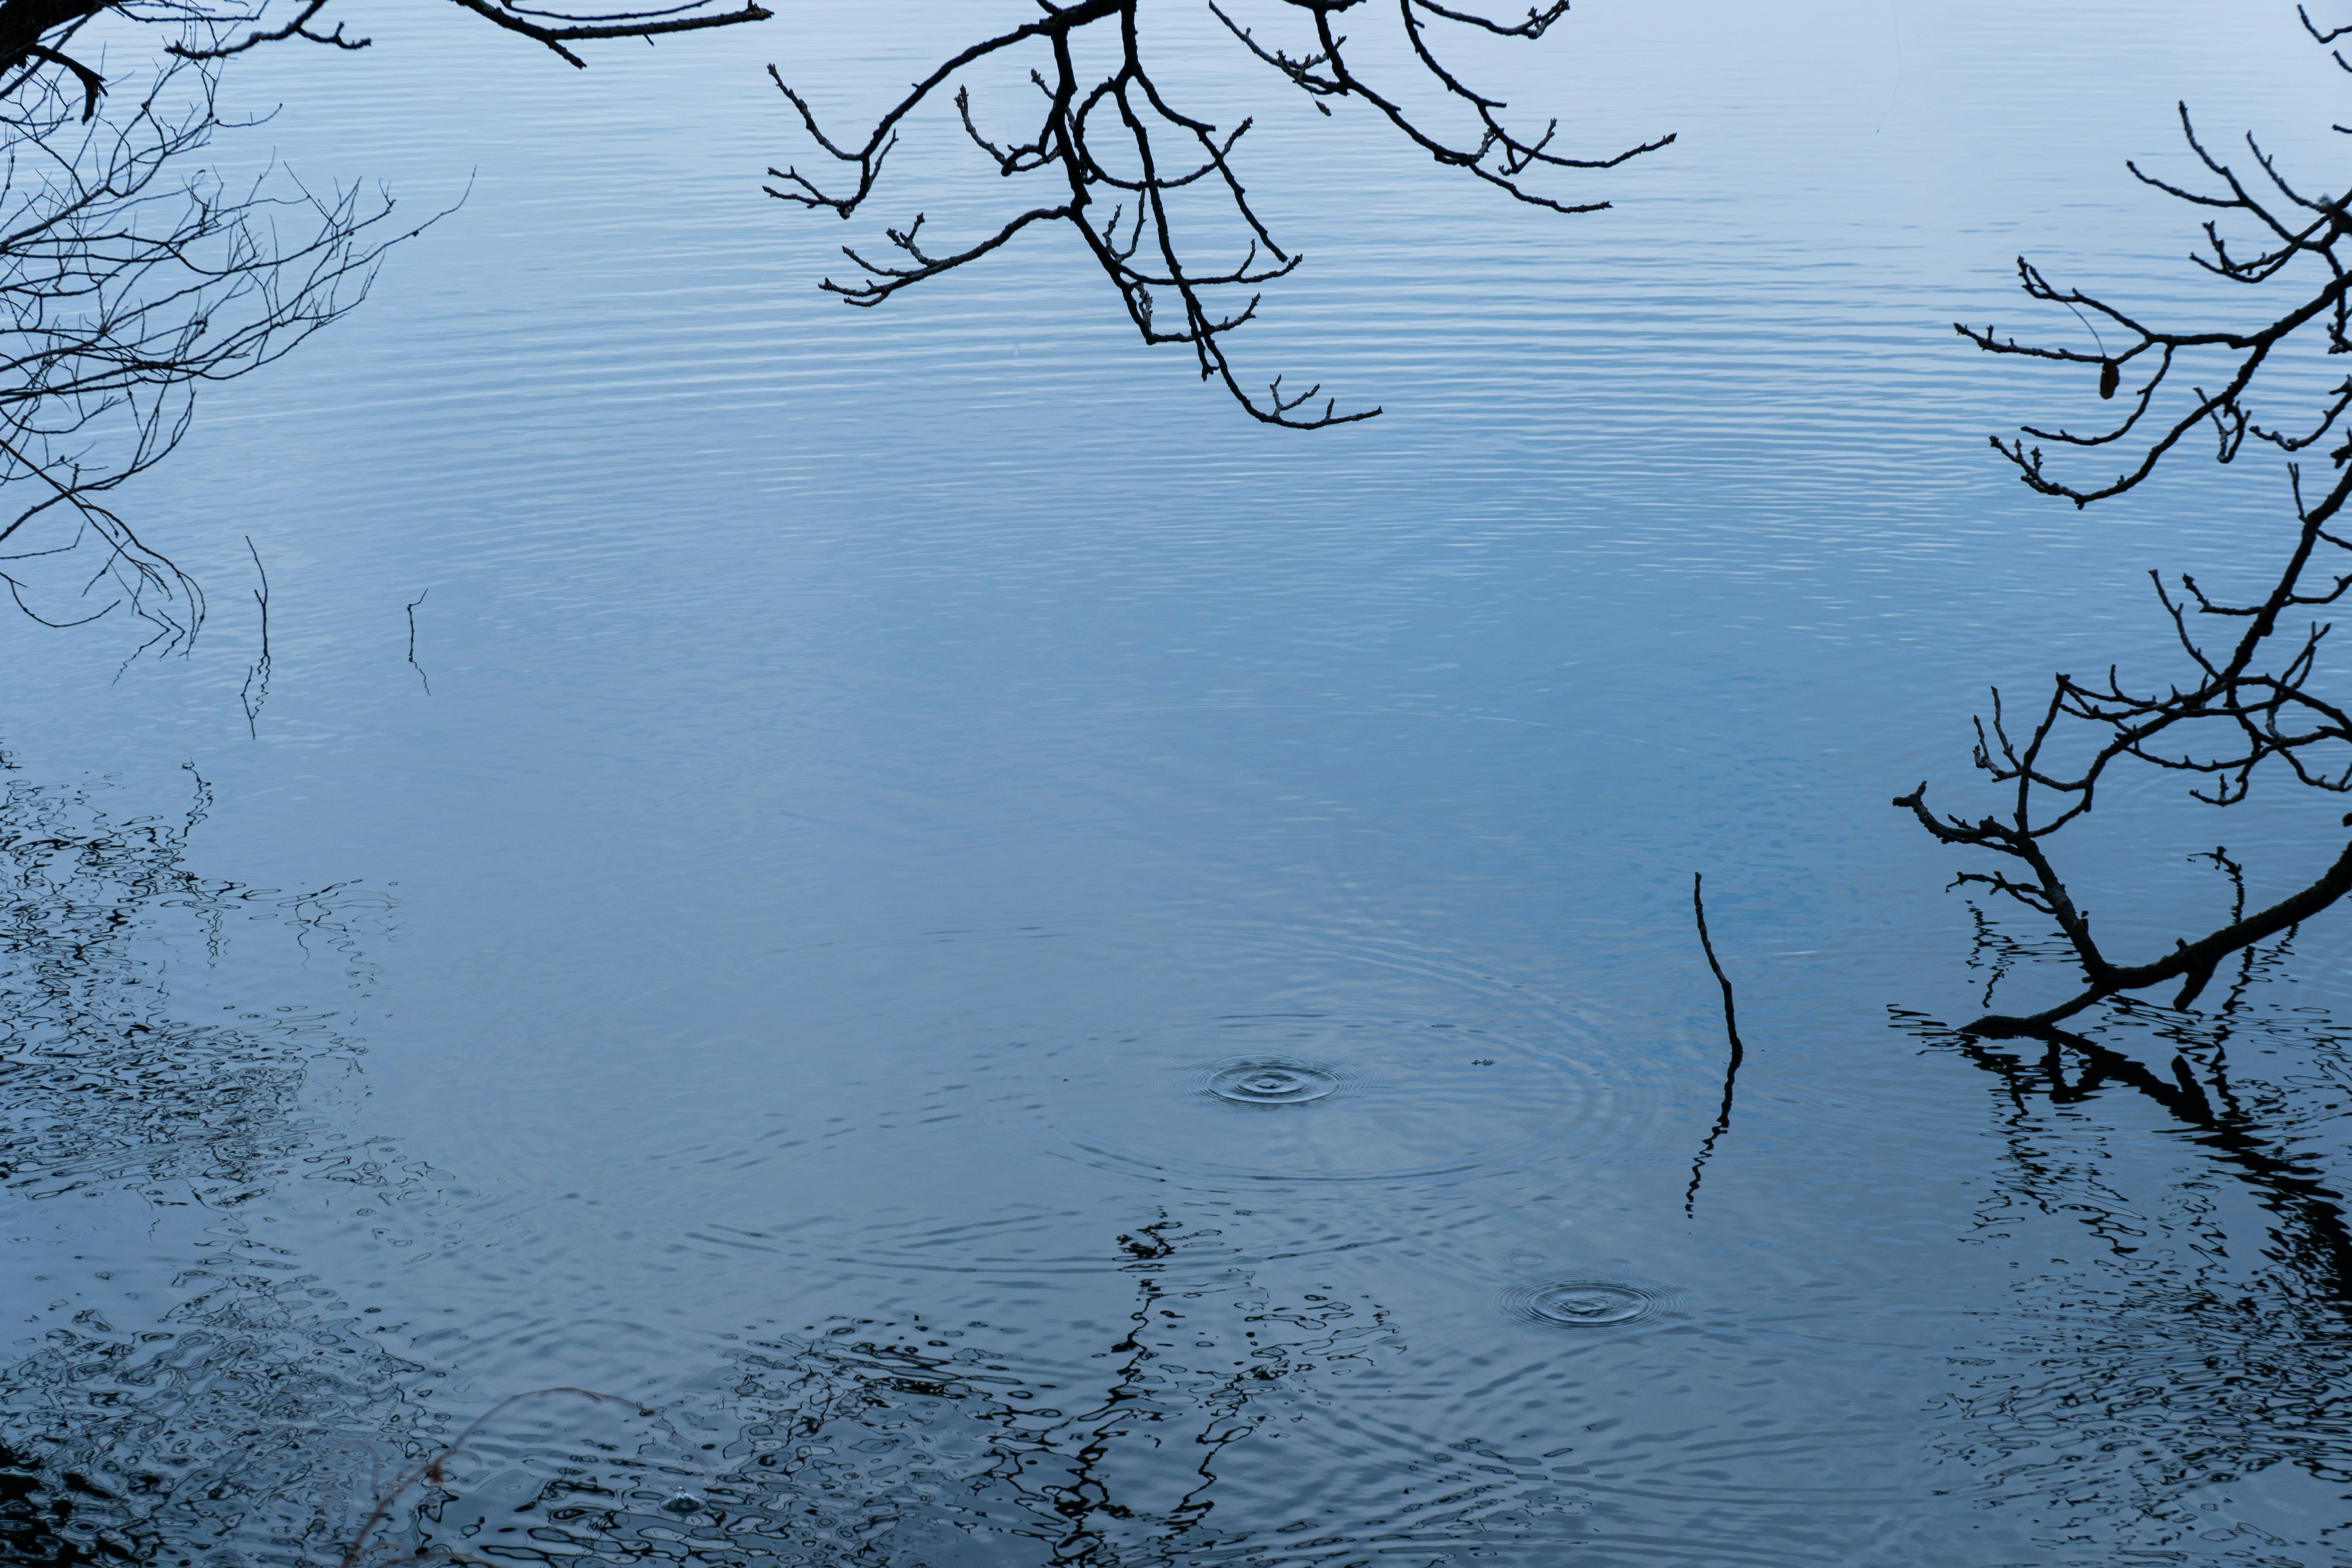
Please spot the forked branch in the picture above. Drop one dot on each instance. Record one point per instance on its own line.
(2249, 699)
(1129, 169)
(128, 281)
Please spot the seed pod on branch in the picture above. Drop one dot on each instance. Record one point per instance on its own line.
(2249, 700)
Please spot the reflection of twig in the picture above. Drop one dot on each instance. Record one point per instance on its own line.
(2287, 1186)
(201, 803)
(260, 669)
(1732, 1033)
(2196, 981)
(412, 641)
(1059, 1468)
(430, 1471)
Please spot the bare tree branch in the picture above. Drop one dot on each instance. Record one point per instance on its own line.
(2298, 248)
(126, 281)
(128, 275)
(1107, 135)
(2248, 702)
(215, 29)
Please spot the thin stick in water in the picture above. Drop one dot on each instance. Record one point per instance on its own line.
(1732, 1033)
(256, 690)
(412, 641)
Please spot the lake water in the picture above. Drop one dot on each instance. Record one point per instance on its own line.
(868, 781)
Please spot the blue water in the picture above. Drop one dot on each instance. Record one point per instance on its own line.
(864, 774)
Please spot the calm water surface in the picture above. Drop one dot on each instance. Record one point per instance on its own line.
(1044, 974)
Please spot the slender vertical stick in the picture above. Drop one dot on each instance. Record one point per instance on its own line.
(260, 669)
(412, 641)
(1732, 1033)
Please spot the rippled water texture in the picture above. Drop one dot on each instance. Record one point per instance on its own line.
(1019, 970)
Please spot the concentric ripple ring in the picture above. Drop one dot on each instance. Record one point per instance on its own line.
(1272, 1083)
(1584, 1303)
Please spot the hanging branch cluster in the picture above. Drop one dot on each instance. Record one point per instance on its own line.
(129, 274)
(35, 34)
(2298, 240)
(2247, 697)
(1127, 168)
(125, 282)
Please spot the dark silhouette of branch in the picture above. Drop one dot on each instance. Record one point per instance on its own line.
(1732, 1033)
(2258, 714)
(259, 673)
(129, 277)
(1106, 135)
(2246, 698)
(92, 84)
(556, 28)
(299, 28)
(2291, 247)
(33, 31)
(126, 280)
(2218, 1351)
(2286, 1183)
(412, 642)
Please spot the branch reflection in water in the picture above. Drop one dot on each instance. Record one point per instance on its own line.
(222, 1396)
(910, 1442)
(2183, 1369)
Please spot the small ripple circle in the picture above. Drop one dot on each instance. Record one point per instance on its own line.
(1582, 1303)
(1272, 1083)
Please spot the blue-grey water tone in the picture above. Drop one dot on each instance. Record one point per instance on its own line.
(1044, 974)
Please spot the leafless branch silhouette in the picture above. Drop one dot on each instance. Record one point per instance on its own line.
(1106, 134)
(38, 34)
(128, 279)
(2248, 1130)
(256, 676)
(131, 274)
(425, 680)
(1731, 1034)
(2244, 697)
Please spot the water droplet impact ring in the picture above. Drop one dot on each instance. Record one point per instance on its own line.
(1272, 1083)
(1584, 1303)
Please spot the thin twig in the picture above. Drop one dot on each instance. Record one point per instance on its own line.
(1730, 1033)
(431, 1472)
(1108, 136)
(412, 641)
(2249, 698)
(260, 669)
